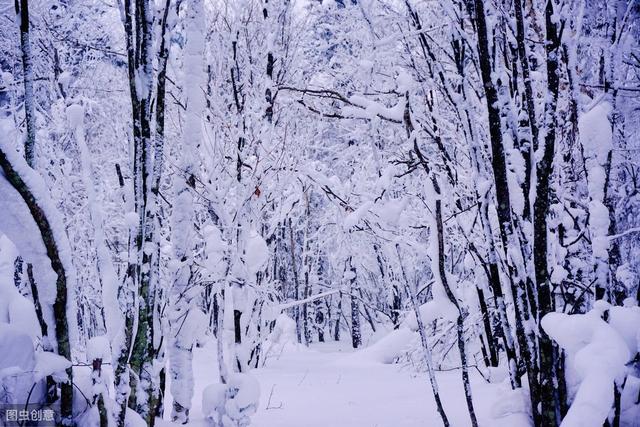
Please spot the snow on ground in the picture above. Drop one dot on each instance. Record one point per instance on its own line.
(328, 385)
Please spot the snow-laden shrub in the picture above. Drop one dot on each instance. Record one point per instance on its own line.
(282, 335)
(439, 319)
(231, 404)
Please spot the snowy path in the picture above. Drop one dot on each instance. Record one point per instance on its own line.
(327, 386)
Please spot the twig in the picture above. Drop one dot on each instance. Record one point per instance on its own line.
(269, 401)
(303, 377)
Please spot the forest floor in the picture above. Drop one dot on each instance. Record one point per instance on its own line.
(330, 385)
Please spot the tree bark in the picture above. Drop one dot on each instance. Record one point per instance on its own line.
(356, 333)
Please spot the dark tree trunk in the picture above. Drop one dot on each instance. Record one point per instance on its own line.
(336, 331)
(548, 398)
(356, 334)
(488, 331)
(296, 283)
(22, 8)
(503, 208)
(425, 344)
(438, 233)
(454, 301)
(526, 149)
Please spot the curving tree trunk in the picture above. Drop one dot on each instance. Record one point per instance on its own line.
(44, 223)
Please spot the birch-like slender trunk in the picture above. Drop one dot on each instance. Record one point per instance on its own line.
(138, 350)
(424, 342)
(438, 265)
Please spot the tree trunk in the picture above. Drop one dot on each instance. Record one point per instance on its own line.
(356, 334)
(548, 398)
(336, 331)
(440, 270)
(296, 282)
(509, 239)
(22, 8)
(425, 344)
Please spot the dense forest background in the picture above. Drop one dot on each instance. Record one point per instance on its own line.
(466, 171)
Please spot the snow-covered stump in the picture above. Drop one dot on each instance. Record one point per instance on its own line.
(98, 385)
(98, 353)
(188, 329)
(181, 372)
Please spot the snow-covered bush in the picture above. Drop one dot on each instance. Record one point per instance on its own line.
(233, 403)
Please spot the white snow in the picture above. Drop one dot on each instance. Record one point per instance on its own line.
(256, 252)
(596, 138)
(595, 131)
(99, 348)
(353, 218)
(392, 210)
(369, 109)
(388, 349)
(330, 385)
(284, 330)
(48, 363)
(15, 309)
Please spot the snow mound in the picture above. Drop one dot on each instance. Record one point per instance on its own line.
(213, 399)
(511, 402)
(388, 349)
(244, 395)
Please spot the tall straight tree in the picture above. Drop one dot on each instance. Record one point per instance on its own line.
(549, 398)
(138, 349)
